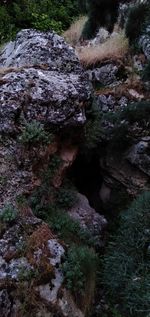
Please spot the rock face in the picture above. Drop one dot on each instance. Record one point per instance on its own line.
(144, 42)
(30, 272)
(43, 94)
(41, 80)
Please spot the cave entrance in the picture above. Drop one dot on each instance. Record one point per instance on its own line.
(85, 174)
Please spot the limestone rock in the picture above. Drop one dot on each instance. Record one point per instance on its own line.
(41, 81)
(144, 42)
(105, 75)
(88, 218)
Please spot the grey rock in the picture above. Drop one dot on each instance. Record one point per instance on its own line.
(41, 80)
(139, 155)
(144, 43)
(5, 303)
(87, 217)
(105, 75)
(33, 47)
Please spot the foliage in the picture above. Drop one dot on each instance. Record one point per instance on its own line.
(101, 13)
(8, 214)
(65, 197)
(79, 265)
(126, 275)
(44, 23)
(6, 25)
(40, 14)
(135, 22)
(68, 229)
(34, 133)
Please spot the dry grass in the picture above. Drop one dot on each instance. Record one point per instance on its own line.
(73, 34)
(114, 48)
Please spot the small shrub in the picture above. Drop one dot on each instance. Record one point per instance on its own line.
(66, 198)
(79, 265)
(8, 214)
(66, 228)
(34, 133)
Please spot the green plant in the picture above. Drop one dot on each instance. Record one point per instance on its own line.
(66, 228)
(65, 197)
(8, 213)
(126, 276)
(34, 133)
(40, 14)
(79, 266)
(44, 23)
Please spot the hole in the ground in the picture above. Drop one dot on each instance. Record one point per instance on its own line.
(85, 174)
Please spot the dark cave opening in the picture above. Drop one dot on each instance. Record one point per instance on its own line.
(85, 175)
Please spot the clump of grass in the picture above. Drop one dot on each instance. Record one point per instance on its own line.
(115, 47)
(73, 34)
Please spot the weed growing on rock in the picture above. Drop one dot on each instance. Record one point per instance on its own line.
(66, 228)
(34, 133)
(8, 214)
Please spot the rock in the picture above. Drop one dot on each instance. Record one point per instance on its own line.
(101, 36)
(5, 303)
(105, 75)
(139, 156)
(109, 103)
(43, 95)
(88, 218)
(35, 48)
(41, 81)
(144, 43)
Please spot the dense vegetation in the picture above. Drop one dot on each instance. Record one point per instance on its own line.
(127, 261)
(40, 14)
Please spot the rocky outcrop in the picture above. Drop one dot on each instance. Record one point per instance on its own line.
(41, 81)
(43, 95)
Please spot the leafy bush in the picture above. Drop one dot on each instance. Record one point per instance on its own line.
(126, 274)
(79, 266)
(34, 133)
(8, 214)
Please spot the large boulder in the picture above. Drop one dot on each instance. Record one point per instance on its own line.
(41, 81)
